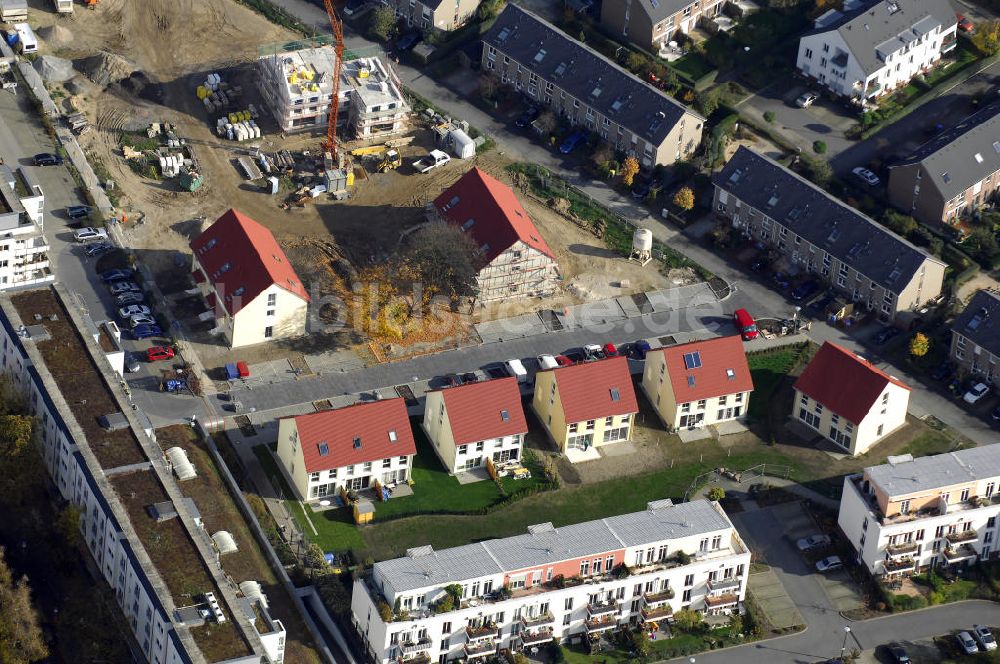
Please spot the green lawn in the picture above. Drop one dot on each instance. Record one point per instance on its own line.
(681, 644)
(767, 369)
(693, 65)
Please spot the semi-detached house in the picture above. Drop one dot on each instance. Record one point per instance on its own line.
(975, 337)
(954, 174)
(652, 24)
(909, 515)
(588, 90)
(819, 235)
(567, 583)
(427, 15)
(870, 49)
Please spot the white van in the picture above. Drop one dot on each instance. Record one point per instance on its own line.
(27, 43)
(547, 362)
(517, 370)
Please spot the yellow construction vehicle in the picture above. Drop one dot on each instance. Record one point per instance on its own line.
(390, 162)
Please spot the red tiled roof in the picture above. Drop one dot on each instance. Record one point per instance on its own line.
(237, 253)
(198, 276)
(843, 382)
(499, 218)
(585, 389)
(717, 357)
(475, 410)
(371, 422)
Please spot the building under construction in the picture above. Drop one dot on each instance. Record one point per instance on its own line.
(297, 87)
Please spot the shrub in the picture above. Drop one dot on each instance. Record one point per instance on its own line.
(769, 116)
(716, 493)
(819, 147)
(384, 611)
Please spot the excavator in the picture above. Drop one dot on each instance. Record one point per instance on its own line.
(390, 162)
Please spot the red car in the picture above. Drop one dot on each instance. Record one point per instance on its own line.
(156, 353)
(563, 361)
(964, 24)
(610, 350)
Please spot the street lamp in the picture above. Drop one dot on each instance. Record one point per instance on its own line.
(795, 314)
(847, 632)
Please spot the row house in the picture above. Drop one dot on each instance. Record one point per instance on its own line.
(975, 346)
(515, 260)
(248, 282)
(434, 15)
(568, 583)
(698, 384)
(854, 418)
(822, 236)
(348, 448)
(652, 24)
(909, 515)
(586, 405)
(588, 90)
(468, 424)
(954, 174)
(870, 49)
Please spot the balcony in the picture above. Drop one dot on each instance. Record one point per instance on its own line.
(413, 647)
(948, 44)
(603, 609)
(904, 549)
(898, 566)
(474, 632)
(962, 536)
(602, 624)
(959, 554)
(422, 658)
(658, 613)
(536, 637)
(725, 584)
(480, 649)
(537, 621)
(660, 597)
(720, 601)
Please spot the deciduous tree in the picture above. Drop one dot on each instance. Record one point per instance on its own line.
(21, 638)
(987, 37)
(630, 168)
(687, 620)
(919, 345)
(684, 198)
(381, 23)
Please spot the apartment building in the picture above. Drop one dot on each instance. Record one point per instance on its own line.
(24, 251)
(909, 514)
(100, 471)
(351, 448)
(849, 400)
(516, 260)
(566, 583)
(954, 174)
(297, 87)
(870, 49)
(698, 384)
(468, 424)
(652, 24)
(821, 236)
(586, 405)
(428, 15)
(588, 90)
(975, 338)
(248, 283)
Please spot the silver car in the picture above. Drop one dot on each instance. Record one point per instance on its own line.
(813, 542)
(806, 99)
(136, 321)
(985, 637)
(966, 643)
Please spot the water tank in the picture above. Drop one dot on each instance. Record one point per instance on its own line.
(642, 240)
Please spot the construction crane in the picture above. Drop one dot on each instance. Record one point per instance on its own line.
(330, 145)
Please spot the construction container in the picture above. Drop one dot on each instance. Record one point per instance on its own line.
(463, 146)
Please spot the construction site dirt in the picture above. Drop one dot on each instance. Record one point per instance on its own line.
(162, 51)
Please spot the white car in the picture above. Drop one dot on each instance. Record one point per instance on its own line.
(134, 310)
(90, 234)
(866, 176)
(136, 321)
(812, 542)
(976, 392)
(516, 369)
(985, 637)
(120, 287)
(547, 362)
(966, 643)
(829, 564)
(806, 99)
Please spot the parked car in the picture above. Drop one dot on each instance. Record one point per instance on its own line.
(781, 280)
(813, 542)
(575, 356)
(354, 6)
(866, 176)
(806, 99)
(745, 324)
(47, 159)
(547, 362)
(570, 142)
(898, 654)
(452, 380)
(516, 369)
(78, 211)
(966, 644)
(138, 321)
(829, 564)
(639, 349)
(122, 274)
(985, 637)
(132, 364)
(408, 41)
(976, 392)
(805, 289)
(129, 298)
(146, 331)
(942, 371)
(134, 310)
(593, 352)
(158, 353)
(120, 287)
(885, 334)
(965, 24)
(98, 249)
(90, 234)
(470, 377)
(563, 361)
(529, 115)
(610, 350)
(640, 190)
(496, 370)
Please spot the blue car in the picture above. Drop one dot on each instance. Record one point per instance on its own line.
(146, 331)
(805, 289)
(570, 142)
(109, 276)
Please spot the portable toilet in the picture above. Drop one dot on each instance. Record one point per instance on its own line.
(462, 145)
(273, 185)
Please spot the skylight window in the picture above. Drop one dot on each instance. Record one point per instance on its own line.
(504, 415)
(392, 436)
(946, 177)
(596, 92)
(324, 448)
(225, 268)
(690, 381)
(730, 374)
(540, 55)
(979, 157)
(692, 360)
(561, 69)
(453, 202)
(357, 443)
(468, 224)
(615, 394)
(240, 291)
(211, 243)
(996, 146)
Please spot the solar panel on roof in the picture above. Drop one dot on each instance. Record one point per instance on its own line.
(692, 360)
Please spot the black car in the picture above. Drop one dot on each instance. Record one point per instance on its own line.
(78, 211)
(782, 280)
(942, 371)
(885, 334)
(470, 377)
(453, 380)
(98, 248)
(48, 159)
(641, 189)
(529, 116)
(354, 6)
(408, 41)
(496, 371)
(899, 655)
(805, 289)
(576, 356)
(996, 414)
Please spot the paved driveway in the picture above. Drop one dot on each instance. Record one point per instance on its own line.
(825, 120)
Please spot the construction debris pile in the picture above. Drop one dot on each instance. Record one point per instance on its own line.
(173, 156)
(239, 125)
(216, 94)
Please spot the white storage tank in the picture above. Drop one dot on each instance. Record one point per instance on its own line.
(642, 245)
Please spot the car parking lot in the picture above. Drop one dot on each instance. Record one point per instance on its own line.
(822, 120)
